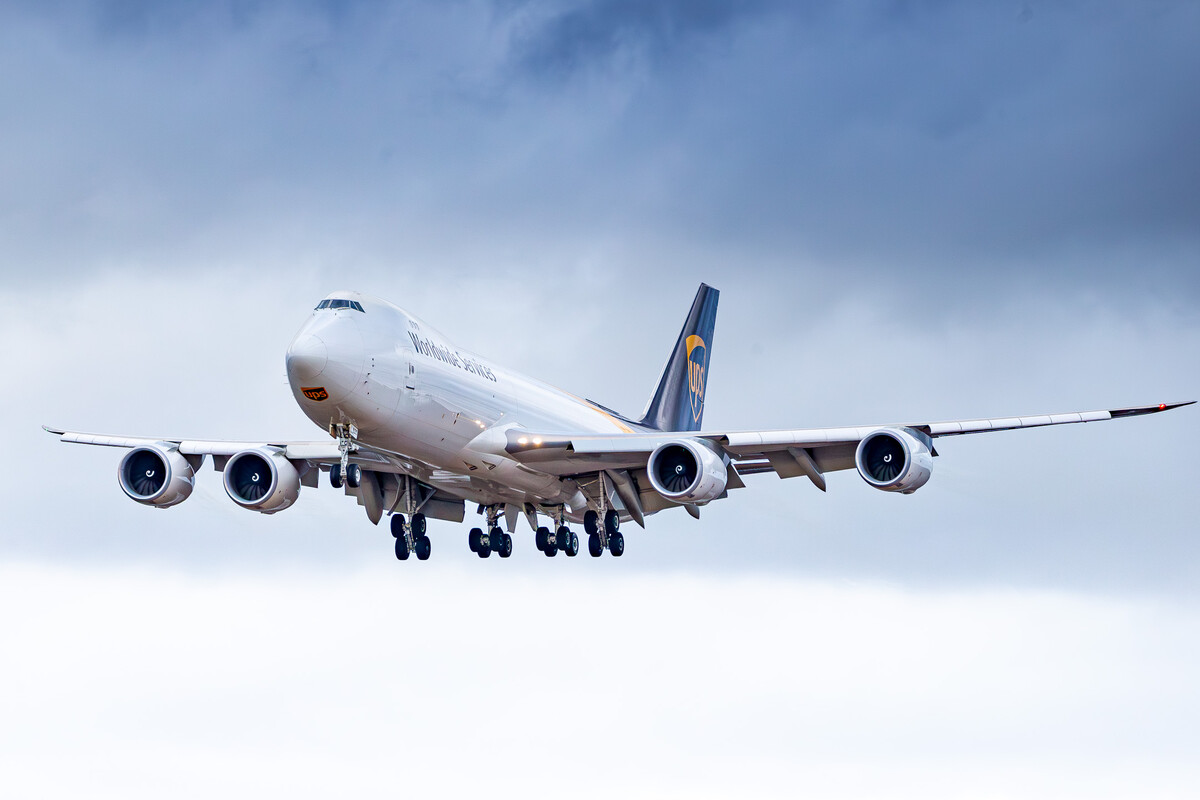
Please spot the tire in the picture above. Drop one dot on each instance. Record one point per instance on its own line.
(418, 524)
(506, 549)
(475, 540)
(551, 551)
(354, 476)
(402, 549)
(616, 545)
(495, 540)
(591, 522)
(542, 539)
(612, 522)
(397, 525)
(568, 541)
(335, 476)
(594, 545)
(423, 547)
(484, 553)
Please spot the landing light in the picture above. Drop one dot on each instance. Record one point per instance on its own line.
(523, 440)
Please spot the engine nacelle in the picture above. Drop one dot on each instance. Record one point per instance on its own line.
(894, 459)
(156, 475)
(262, 480)
(687, 471)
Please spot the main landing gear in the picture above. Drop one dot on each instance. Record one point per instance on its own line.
(563, 538)
(411, 538)
(607, 537)
(494, 541)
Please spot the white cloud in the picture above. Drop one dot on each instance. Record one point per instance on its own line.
(458, 681)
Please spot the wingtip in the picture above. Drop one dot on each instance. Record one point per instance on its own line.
(55, 431)
(1139, 410)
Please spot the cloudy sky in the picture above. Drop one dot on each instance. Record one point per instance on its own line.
(914, 211)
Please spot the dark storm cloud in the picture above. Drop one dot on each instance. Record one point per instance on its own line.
(938, 142)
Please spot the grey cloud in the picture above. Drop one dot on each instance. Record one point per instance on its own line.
(883, 141)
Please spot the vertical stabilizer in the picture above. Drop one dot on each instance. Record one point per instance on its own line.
(678, 402)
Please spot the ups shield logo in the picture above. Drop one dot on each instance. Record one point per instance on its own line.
(697, 363)
(317, 393)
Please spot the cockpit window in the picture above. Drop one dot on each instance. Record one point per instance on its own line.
(354, 304)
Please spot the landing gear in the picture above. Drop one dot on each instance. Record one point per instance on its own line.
(606, 536)
(568, 540)
(410, 538)
(494, 541)
(353, 476)
(497, 541)
(335, 476)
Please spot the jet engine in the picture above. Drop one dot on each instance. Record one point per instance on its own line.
(262, 479)
(687, 471)
(895, 459)
(156, 475)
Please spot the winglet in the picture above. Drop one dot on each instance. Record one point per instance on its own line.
(1140, 410)
(55, 431)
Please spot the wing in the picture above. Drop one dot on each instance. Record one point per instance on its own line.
(382, 488)
(810, 452)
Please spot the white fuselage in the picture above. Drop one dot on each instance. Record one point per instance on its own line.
(410, 391)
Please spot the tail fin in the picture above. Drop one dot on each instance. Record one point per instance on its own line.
(678, 402)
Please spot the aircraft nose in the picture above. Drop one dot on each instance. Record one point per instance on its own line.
(306, 359)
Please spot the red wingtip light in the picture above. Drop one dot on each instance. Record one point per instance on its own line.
(1162, 406)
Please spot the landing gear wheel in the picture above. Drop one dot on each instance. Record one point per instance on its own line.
(594, 546)
(402, 551)
(476, 540)
(423, 547)
(418, 524)
(495, 541)
(616, 545)
(542, 539)
(568, 541)
(397, 525)
(612, 522)
(591, 522)
(335, 476)
(506, 547)
(353, 476)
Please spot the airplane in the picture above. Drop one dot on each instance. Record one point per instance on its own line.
(419, 427)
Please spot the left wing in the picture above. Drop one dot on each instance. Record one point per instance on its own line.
(789, 453)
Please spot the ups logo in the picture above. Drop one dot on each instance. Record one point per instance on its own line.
(317, 393)
(697, 363)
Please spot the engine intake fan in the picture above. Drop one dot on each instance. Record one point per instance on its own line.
(687, 471)
(262, 480)
(156, 475)
(895, 459)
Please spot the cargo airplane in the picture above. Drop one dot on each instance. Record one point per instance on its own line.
(419, 427)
